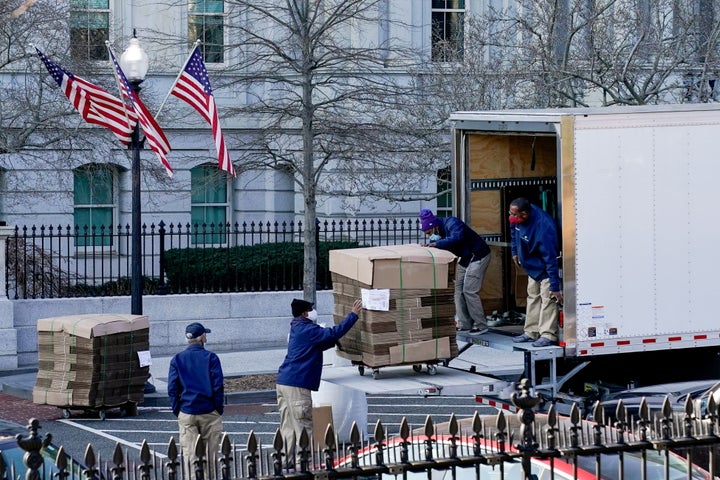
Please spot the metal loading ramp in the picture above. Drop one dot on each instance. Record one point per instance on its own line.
(493, 346)
(477, 370)
(487, 365)
(403, 380)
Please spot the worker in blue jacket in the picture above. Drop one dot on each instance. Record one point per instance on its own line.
(300, 372)
(455, 236)
(534, 243)
(197, 394)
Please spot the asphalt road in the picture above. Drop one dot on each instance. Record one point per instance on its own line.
(158, 425)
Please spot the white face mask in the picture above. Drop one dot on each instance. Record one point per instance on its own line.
(312, 315)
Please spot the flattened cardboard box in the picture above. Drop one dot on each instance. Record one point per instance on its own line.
(73, 398)
(322, 417)
(350, 288)
(371, 360)
(93, 325)
(367, 339)
(394, 266)
(420, 351)
(519, 286)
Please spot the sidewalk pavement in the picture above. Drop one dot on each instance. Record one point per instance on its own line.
(19, 383)
(474, 362)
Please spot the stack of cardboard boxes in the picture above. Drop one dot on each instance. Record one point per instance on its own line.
(407, 292)
(92, 360)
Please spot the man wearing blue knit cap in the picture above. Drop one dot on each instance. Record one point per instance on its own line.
(455, 236)
(300, 372)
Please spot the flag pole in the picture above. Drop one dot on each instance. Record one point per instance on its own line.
(117, 81)
(197, 43)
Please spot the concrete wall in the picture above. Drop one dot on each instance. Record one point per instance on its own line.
(239, 321)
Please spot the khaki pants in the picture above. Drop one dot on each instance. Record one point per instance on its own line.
(468, 305)
(209, 427)
(295, 405)
(541, 316)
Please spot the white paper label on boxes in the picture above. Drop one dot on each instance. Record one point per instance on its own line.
(145, 358)
(376, 298)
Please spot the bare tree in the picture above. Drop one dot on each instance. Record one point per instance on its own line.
(36, 119)
(577, 53)
(21, 96)
(634, 53)
(330, 103)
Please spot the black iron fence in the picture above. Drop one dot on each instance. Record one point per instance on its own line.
(526, 446)
(65, 261)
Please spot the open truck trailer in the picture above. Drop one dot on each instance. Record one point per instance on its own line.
(635, 193)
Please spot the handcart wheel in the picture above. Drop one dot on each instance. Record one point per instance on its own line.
(101, 414)
(376, 373)
(432, 369)
(446, 362)
(66, 413)
(417, 368)
(131, 409)
(361, 370)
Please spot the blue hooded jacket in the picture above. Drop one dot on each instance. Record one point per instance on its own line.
(535, 242)
(461, 240)
(195, 382)
(303, 363)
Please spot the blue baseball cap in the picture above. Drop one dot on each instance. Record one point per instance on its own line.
(195, 330)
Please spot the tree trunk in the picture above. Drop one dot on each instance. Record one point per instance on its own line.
(310, 256)
(309, 189)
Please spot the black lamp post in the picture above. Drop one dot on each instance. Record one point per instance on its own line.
(134, 62)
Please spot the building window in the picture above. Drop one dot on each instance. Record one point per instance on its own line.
(444, 189)
(95, 203)
(209, 201)
(205, 22)
(447, 30)
(89, 29)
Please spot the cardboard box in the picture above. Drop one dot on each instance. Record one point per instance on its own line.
(519, 286)
(394, 266)
(322, 417)
(420, 351)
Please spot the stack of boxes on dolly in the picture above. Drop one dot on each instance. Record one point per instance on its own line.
(92, 362)
(409, 316)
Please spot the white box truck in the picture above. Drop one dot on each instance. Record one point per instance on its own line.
(635, 192)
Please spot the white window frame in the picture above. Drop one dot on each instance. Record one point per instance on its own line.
(114, 208)
(203, 46)
(459, 46)
(225, 205)
(86, 55)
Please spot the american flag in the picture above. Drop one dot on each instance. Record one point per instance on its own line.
(153, 133)
(193, 86)
(94, 104)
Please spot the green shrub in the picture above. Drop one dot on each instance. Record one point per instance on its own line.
(117, 287)
(263, 267)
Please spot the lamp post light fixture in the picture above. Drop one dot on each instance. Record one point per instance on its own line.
(134, 62)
